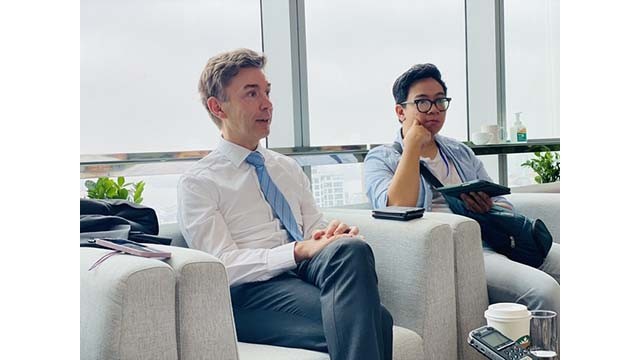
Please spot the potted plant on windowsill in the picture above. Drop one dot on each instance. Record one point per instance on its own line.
(106, 188)
(546, 165)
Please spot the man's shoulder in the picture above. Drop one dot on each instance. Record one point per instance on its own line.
(207, 166)
(280, 159)
(383, 152)
(453, 144)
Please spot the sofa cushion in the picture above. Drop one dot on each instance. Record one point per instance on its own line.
(407, 345)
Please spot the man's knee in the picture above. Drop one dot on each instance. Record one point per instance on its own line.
(351, 255)
(355, 250)
(544, 295)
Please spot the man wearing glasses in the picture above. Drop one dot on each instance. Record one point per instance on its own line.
(393, 179)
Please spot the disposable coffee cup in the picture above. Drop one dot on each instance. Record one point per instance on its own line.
(510, 319)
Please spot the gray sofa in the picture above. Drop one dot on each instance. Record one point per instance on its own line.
(471, 295)
(136, 308)
(431, 278)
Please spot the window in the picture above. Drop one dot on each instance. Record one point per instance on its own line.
(355, 51)
(532, 65)
(140, 65)
(338, 185)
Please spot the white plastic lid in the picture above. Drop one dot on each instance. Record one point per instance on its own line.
(507, 311)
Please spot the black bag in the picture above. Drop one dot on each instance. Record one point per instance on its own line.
(527, 241)
(138, 222)
(514, 235)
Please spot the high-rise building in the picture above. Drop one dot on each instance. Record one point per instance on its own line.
(328, 188)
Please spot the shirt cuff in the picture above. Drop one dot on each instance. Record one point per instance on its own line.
(281, 258)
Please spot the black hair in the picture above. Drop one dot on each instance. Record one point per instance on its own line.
(416, 73)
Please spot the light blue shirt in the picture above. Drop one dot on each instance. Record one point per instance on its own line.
(381, 163)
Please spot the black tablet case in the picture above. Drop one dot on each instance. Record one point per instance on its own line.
(488, 187)
(402, 213)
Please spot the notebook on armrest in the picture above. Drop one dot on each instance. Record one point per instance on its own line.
(133, 248)
(402, 213)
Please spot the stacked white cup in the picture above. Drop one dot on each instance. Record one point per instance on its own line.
(510, 319)
(494, 130)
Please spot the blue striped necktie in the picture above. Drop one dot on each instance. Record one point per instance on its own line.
(274, 197)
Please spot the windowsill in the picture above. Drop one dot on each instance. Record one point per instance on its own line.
(515, 148)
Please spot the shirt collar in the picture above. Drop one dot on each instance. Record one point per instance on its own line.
(236, 153)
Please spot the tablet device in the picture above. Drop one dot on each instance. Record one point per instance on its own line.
(402, 213)
(487, 187)
(133, 248)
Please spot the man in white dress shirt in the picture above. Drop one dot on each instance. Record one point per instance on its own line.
(296, 280)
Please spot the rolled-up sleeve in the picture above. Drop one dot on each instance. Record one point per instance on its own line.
(378, 175)
(204, 228)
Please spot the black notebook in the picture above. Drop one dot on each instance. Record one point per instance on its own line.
(398, 213)
(487, 187)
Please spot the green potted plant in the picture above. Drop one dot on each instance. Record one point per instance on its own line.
(106, 188)
(546, 165)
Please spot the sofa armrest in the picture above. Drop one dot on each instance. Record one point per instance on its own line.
(203, 306)
(414, 263)
(127, 307)
(544, 206)
(472, 297)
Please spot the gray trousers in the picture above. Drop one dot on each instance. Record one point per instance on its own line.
(538, 289)
(329, 303)
(510, 281)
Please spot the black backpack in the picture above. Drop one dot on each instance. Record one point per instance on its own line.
(514, 235)
(126, 219)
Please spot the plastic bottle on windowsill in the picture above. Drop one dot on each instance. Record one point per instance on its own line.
(518, 131)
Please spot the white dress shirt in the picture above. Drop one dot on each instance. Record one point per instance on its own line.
(222, 211)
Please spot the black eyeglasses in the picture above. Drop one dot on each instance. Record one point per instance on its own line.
(424, 105)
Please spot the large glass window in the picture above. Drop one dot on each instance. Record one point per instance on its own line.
(140, 65)
(357, 48)
(338, 185)
(532, 65)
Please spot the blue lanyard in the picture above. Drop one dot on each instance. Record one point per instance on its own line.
(446, 163)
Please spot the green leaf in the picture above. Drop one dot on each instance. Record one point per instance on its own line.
(90, 184)
(123, 194)
(137, 195)
(120, 181)
(111, 192)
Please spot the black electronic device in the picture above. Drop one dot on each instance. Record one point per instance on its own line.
(398, 213)
(494, 345)
(487, 187)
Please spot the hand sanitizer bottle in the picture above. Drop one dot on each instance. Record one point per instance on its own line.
(518, 132)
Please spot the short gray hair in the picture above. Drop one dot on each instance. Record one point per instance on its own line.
(219, 71)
